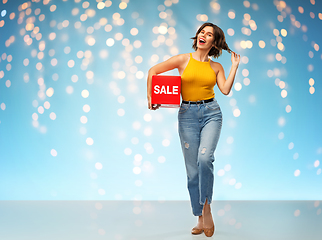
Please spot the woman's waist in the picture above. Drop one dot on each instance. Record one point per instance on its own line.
(207, 100)
(195, 96)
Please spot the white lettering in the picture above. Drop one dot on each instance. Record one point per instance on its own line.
(168, 92)
(163, 90)
(156, 89)
(175, 89)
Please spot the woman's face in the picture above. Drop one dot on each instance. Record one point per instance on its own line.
(205, 38)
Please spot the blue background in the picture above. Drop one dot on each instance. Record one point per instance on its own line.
(259, 152)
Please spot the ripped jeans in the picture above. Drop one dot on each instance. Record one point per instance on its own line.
(199, 130)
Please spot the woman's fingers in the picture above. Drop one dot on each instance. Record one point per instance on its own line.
(155, 106)
(235, 57)
(152, 106)
(235, 54)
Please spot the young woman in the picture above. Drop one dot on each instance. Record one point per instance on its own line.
(200, 117)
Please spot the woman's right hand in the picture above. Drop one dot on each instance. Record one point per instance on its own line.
(152, 106)
(235, 59)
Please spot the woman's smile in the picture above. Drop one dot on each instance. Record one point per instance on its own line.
(202, 41)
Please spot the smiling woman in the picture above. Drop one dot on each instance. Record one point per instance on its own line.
(200, 117)
(212, 34)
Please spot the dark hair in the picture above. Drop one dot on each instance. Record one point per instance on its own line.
(219, 40)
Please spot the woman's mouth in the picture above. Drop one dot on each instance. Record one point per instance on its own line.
(202, 41)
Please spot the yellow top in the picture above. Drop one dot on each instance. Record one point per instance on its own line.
(198, 81)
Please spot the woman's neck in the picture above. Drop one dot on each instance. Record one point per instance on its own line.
(201, 55)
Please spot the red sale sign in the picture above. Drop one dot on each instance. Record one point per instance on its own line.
(166, 90)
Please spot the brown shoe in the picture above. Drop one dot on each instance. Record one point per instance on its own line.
(209, 231)
(196, 231)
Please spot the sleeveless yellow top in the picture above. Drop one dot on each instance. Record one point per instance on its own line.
(198, 81)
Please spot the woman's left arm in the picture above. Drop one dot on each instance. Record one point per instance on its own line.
(224, 84)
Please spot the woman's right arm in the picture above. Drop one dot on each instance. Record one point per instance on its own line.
(172, 63)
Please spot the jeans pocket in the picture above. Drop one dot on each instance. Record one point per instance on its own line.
(212, 105)
(183, 108)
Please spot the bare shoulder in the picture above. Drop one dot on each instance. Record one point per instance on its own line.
(177, 61)
(182, 57)
(216, 66)
(185, 56)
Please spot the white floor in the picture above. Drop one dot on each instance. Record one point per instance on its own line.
(152, 220)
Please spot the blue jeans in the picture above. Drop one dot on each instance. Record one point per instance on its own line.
(199, 130)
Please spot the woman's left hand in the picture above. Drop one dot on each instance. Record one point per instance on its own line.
(235, 59)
